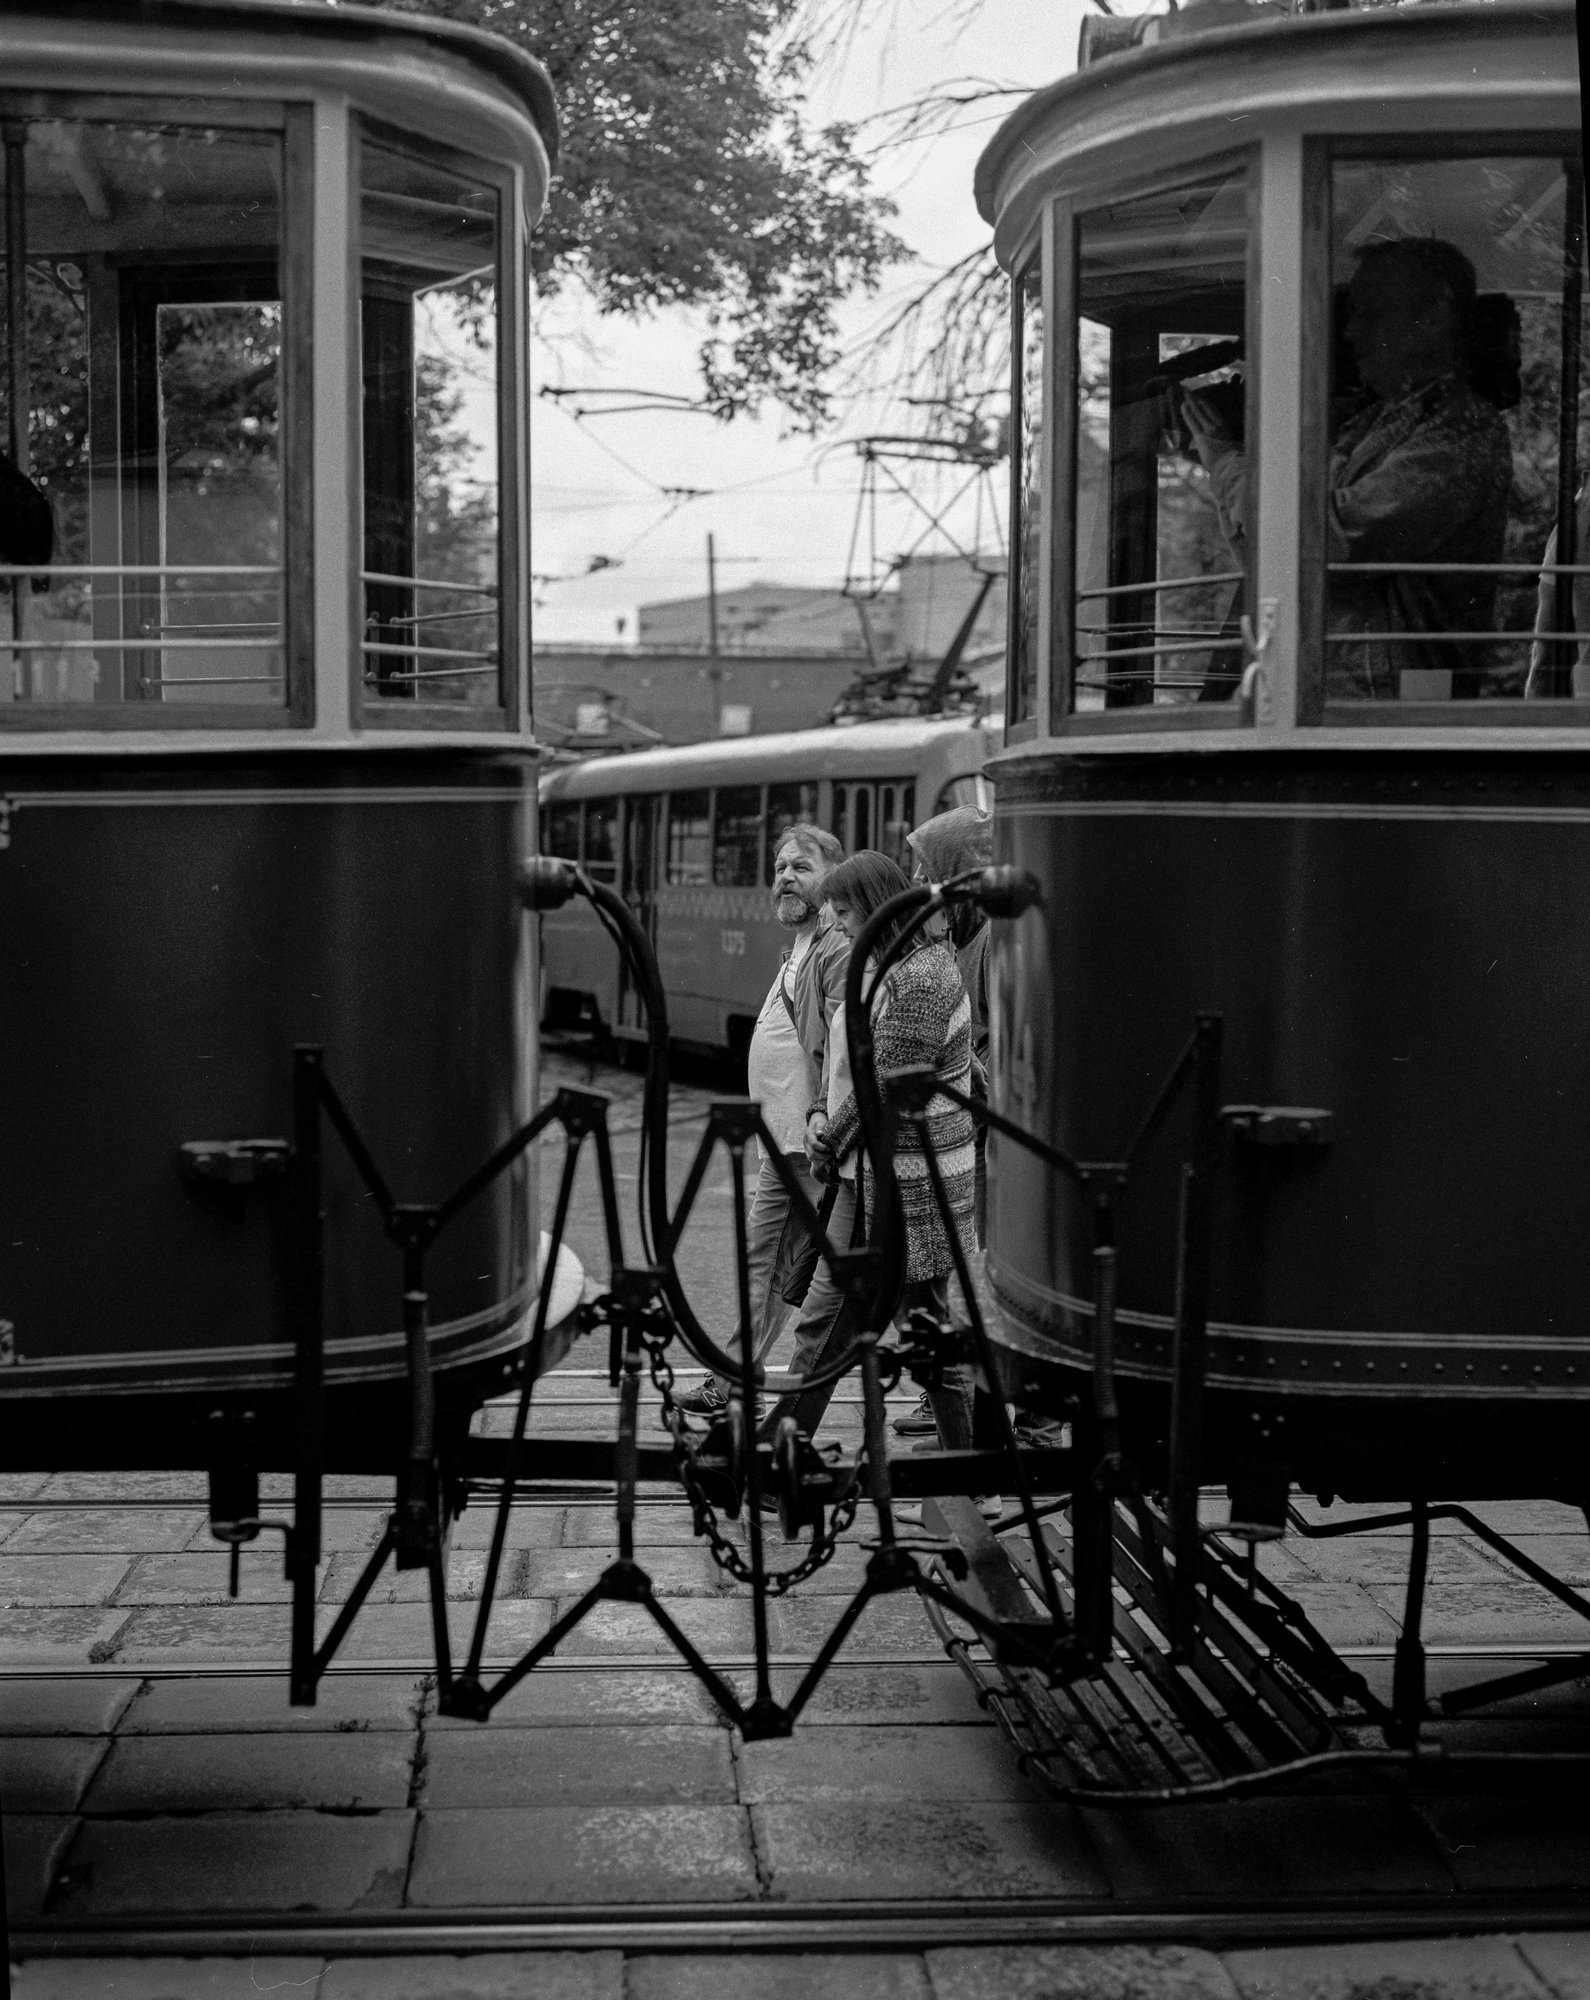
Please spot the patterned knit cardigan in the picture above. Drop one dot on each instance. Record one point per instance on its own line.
(922, 1016)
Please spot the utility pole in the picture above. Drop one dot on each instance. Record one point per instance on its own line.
(714, 672)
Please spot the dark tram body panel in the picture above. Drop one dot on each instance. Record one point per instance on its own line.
(266, 765)
(1390, 945)
(174, 932)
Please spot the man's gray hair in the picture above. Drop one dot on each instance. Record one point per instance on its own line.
(815, 840)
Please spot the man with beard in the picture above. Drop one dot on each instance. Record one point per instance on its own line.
(785, 1069)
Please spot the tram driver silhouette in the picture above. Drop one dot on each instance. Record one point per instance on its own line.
(1420, 472)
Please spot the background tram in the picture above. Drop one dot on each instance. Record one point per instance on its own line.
(688, 836)
(265, 759)
(1370, 854)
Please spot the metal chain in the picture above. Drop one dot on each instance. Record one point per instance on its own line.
(825, 1538)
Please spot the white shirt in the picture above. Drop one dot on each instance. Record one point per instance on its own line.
(781, 1075)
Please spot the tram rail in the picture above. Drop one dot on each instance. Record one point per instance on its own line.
(860, 1925)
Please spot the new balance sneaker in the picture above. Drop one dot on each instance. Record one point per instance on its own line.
(918, 1422)
(708, 1401)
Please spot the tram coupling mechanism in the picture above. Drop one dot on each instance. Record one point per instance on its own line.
(927, 1345)
(1006, 892)
(546, 883)
(1278, 1125)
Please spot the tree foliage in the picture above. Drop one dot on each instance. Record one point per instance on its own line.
(692, 175)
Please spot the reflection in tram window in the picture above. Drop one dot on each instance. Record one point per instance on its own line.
(141, 415)
(1028, 339)
(787, 806)
(601, 839)
(1457, 409)
(736, 836)
(1160, 528)
(689, 837)
(429, 309)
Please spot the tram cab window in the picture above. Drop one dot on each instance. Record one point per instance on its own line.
(1160, 494)
(141, 417)
(1453, 518)
(428, 298)
(601, 839)
(560, 831)
(787, 806)
(736, 835)
(689, 838)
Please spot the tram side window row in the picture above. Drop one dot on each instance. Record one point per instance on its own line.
(729, 836)
(1453, 532)
(430, 241)
(141, 416)
(1446, 507)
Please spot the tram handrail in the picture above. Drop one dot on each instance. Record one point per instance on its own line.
(427, 583)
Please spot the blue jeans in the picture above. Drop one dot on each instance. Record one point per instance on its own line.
(765, 1221)
(829, 1323)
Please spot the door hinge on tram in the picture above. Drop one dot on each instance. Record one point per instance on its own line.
(1278, 1124)
(233, 1163)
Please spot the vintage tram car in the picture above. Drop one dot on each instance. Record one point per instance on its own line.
(1299, 737)
(264, 711)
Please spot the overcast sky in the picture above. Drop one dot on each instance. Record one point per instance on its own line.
(781, 507)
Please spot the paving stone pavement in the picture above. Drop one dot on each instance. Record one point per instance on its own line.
(608, 1778)
(1538, 1966)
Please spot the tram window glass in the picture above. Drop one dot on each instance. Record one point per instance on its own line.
(689, 837)
(1160, 474)
(428, 286)
(787, 806)
(601, 839)
(895, 819)
(971, 789)
(736, 835)
(1028, 344)
(1457, 428)
(560, 831)
(141, 417)
(875, 812)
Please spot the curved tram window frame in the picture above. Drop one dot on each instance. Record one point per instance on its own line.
(129, 593)
(1062, 235)
(394, 708)
(1321, 156)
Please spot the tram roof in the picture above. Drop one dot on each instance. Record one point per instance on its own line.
(1226, 49)
(515, 67)
(836, 750)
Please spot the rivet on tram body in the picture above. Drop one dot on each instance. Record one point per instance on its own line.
(1537, 1371)
(1370, 1367)
(1440, 1368)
